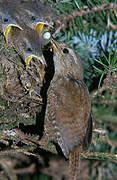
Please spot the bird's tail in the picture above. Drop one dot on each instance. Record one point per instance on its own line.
(74, 164)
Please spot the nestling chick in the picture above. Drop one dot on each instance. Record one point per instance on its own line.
(28, 45)
(6, 22)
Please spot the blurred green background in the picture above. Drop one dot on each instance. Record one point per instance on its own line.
(94, 37)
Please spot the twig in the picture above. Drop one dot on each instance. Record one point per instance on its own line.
(63, 21)
(84, 155)
(99, 156)
(13, 153)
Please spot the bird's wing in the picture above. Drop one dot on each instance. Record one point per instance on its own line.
(69, 108)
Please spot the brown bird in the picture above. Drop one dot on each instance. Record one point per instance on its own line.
(68, 119)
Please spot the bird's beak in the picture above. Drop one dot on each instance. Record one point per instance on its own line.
(55, 45)
(29, 58)
(8, 29)
(39, 26)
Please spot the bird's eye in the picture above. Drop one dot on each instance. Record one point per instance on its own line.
(65, 51)
(29, 49)
(5, 20)
(33, 18)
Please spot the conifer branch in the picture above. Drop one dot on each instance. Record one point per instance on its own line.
(84, 11)
(99, 156)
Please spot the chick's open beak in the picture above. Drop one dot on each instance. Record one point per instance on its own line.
(40, 25)
(8, 29)
(39, 71)
(29, 58)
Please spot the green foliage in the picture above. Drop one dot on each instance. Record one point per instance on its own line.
(107, 63)
(88, 34)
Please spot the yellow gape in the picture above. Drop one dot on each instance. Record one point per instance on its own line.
(29, 58)
(8, 30)
(39, 27)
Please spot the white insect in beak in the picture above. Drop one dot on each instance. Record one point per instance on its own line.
(47, 35)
